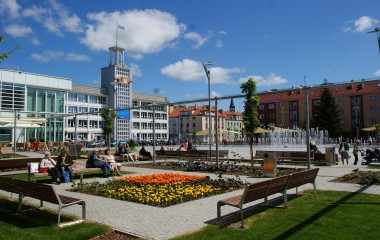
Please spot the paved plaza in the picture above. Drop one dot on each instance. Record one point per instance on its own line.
(165, 223)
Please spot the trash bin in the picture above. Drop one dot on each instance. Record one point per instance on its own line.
(330, 156)
(270, 164)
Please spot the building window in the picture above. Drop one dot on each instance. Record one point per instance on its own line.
(271, 116)
(340, 100)
(72, 97)
(373, 109)
(293, 105)
(373, 98)
(93, 99)
(271, 106)
(82, 98)
(72, 109)
(261, 106)
(261, 116)
(82, 109)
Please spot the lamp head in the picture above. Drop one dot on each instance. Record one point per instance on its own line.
(205, 64)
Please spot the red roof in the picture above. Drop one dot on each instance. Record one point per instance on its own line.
(347, 89)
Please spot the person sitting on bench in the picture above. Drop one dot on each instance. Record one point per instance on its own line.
(50, 165)
(145, 153)
(95, 162)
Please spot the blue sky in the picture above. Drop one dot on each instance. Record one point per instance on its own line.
(275, 42)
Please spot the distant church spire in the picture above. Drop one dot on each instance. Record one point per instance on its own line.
(232, 105)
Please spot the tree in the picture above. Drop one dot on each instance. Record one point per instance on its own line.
(108, 127)
(327, 116)
(250, 120)
(6, 54)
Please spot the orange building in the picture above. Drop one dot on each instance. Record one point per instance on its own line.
(357, 102)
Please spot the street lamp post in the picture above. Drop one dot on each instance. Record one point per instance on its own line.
(356, 121)
(15, 132)
(205, 64)
(114, 87)
(307, 125)
(282, 116)
(377, 31)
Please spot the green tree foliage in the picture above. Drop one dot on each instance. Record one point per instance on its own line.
(6, 54)
(250, 120)
(327, 116)
(108, 127)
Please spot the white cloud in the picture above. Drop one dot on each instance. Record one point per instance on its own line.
(96, 82)
(364, 23)
(146, 31)
(16, 30)
(190, 70)
(271, 80)
(54, 17)
(222, 32)
(219, 44)
(185, 70)
(223, 75)
(77, 57)
(199, 39)
(48, 55)
(136, 70)
(34, 41)
(9, 7)
(215, 94)
(377, 73)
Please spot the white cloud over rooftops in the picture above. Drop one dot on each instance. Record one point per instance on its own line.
(191, 70)
(57, 55)
(270, 80)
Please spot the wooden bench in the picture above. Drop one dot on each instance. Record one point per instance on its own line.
(295, 157)
(79, 167)
(262, 190)
(42, 192)
(7, 150)
(256, 191)
(19, 163)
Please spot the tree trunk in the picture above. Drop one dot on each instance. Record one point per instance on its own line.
(251, 154)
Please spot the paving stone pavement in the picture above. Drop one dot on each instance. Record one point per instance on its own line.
(165, 223)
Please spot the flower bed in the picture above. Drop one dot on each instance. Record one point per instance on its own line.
(160, 189)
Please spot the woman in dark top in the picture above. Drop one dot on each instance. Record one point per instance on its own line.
(64, 163)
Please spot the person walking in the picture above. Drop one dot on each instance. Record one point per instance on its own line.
(356, 151)
(343, 151)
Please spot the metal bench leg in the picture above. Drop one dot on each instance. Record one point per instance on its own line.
(59, 215)
(83, 211)
(218, 210)
(20, 196)
(242, 217)
(315, 187)
(285, 198)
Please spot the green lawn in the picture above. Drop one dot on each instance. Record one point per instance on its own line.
(39, 225)
(47, 179)
(325, 215)
(13, 155)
